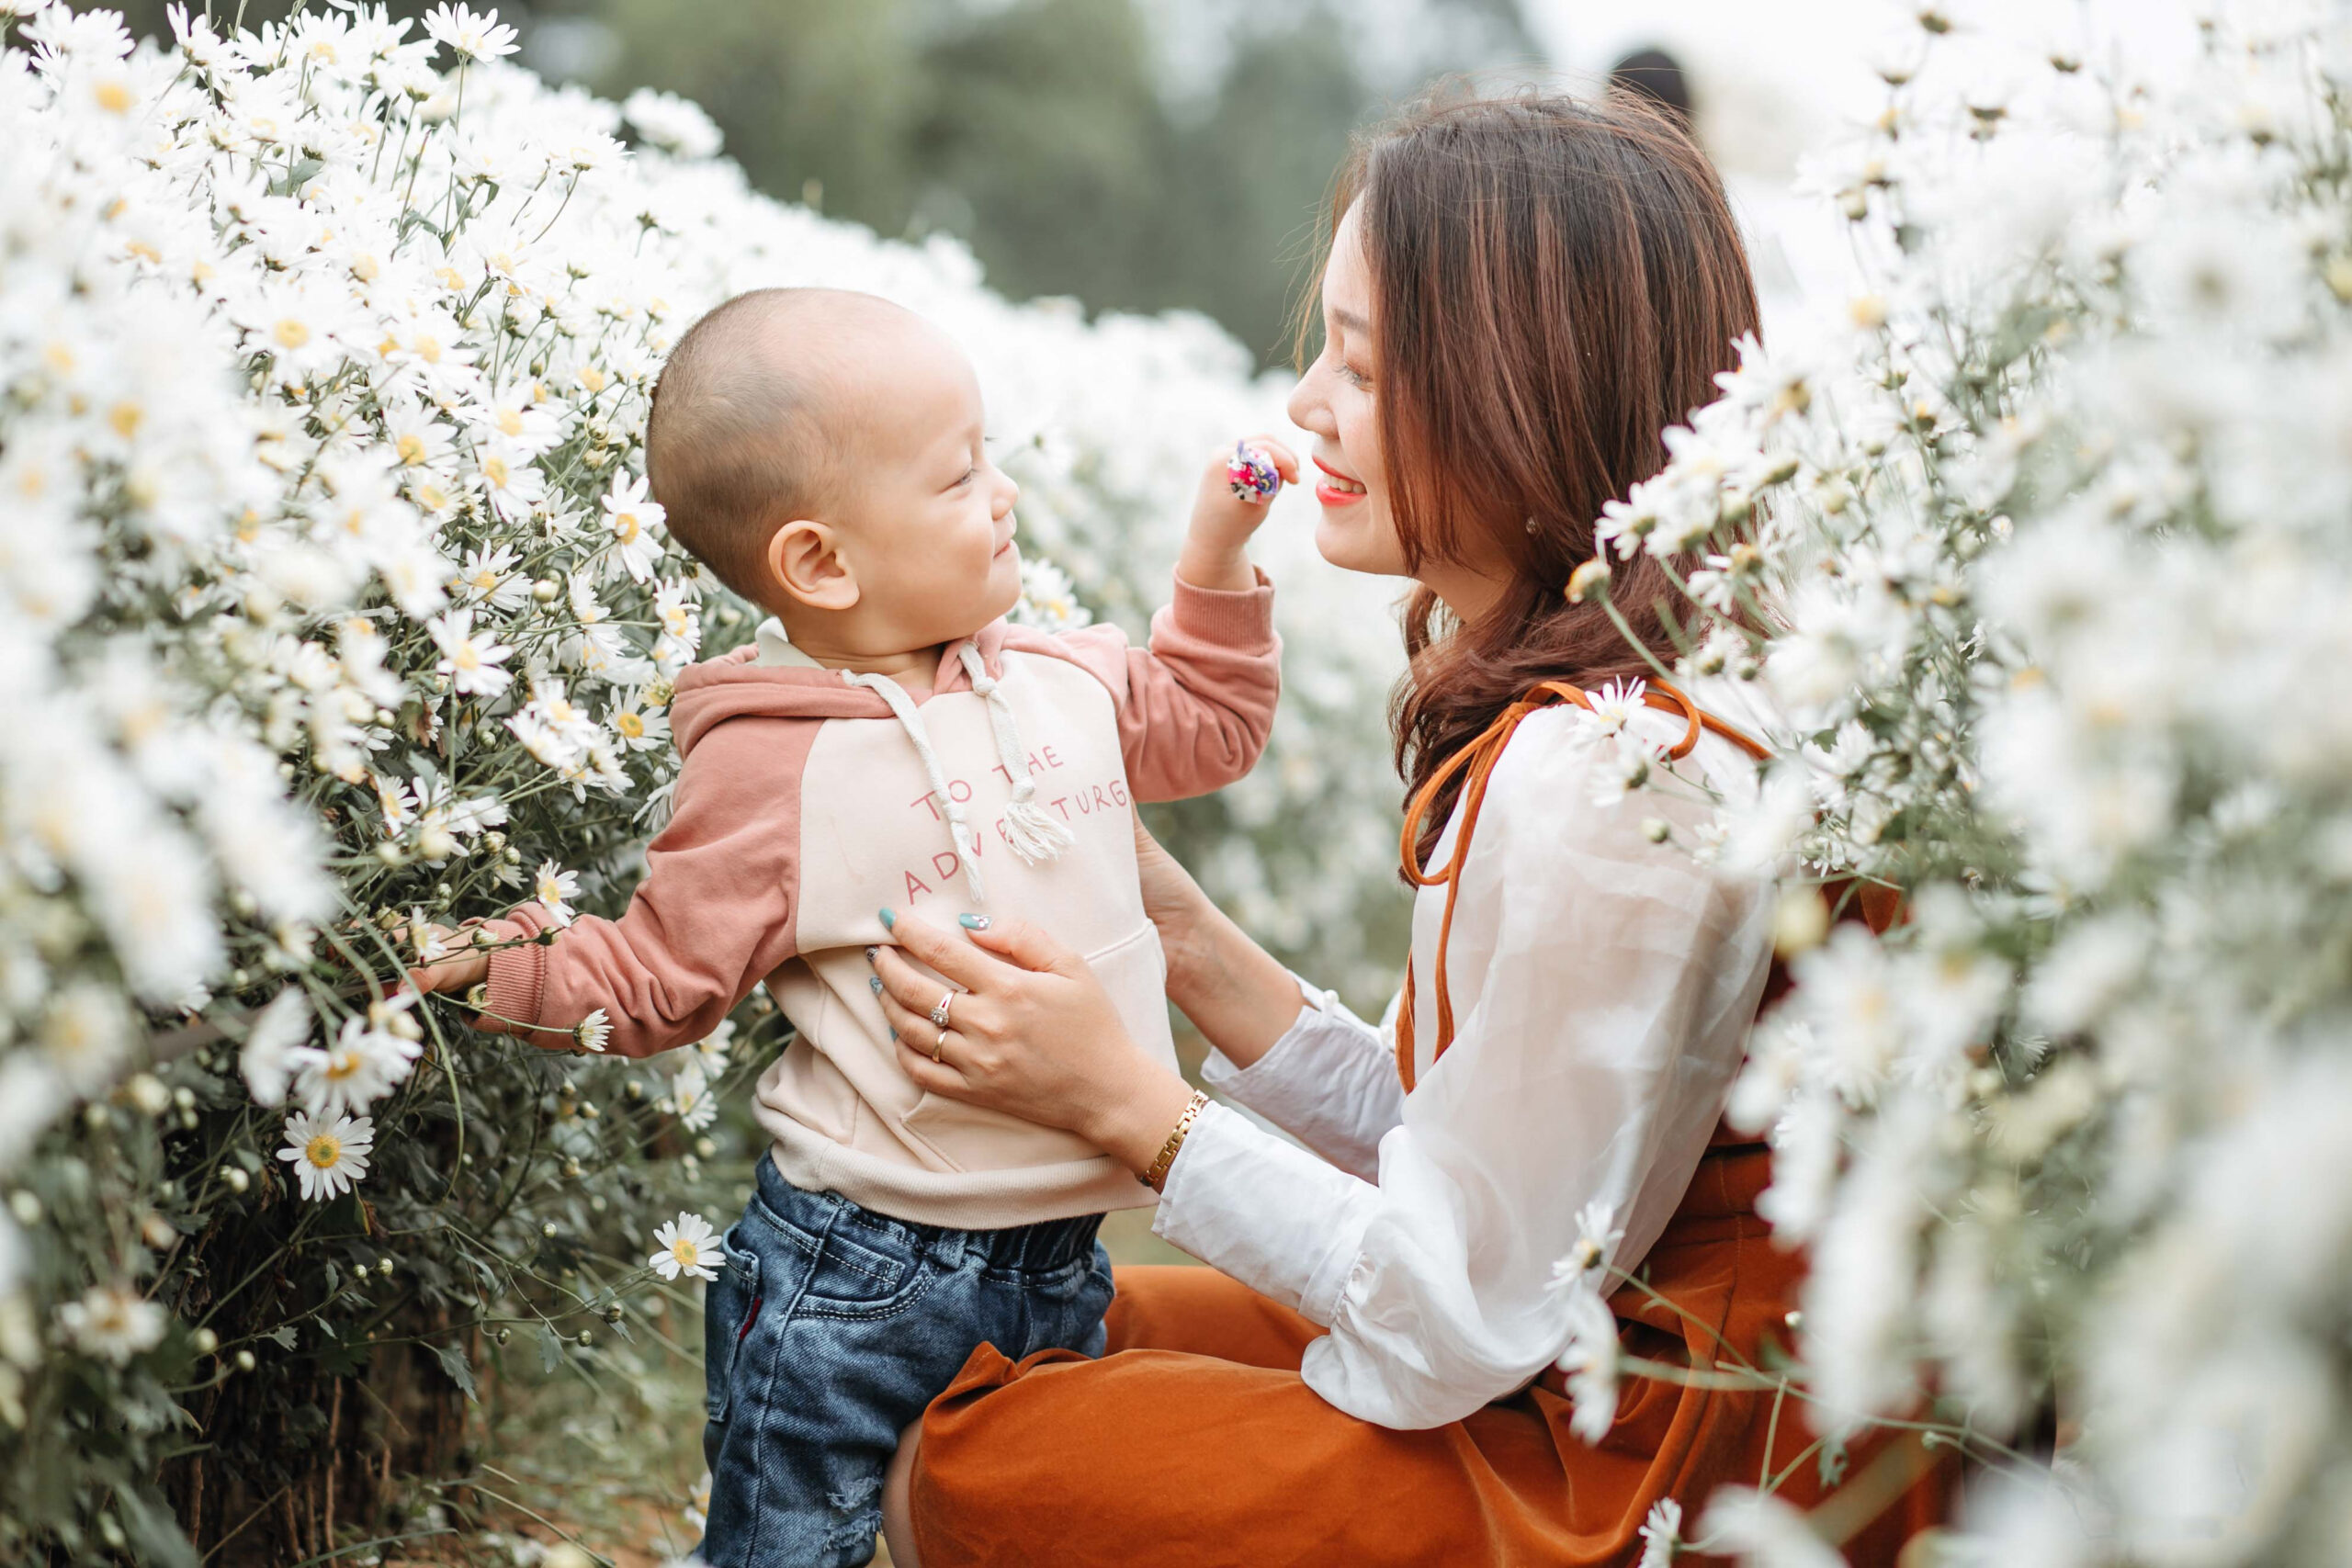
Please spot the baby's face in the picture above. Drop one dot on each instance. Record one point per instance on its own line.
(924, 518)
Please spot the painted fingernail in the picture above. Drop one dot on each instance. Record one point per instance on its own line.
(874, 983)
(973, 922)
(890, 921)
(870, 953)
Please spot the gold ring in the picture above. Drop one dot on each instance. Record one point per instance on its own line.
(938, 1045)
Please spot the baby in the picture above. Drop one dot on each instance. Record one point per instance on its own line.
(889, 743)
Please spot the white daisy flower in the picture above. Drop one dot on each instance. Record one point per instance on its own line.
(470, 660)
(1596, 1237)
(430, 940)
(638, 729)
(1661, 1533)
(1590, 1361)
(513, 416)
(267, 1056)
(112, 1323)
(690, 1093)
(418, 437)
(363, 1065)
(470, 36)
(555, 888)
(713, 1053)
(511, 480)
(489, 578)
(1616, 703)
(329, 1158)
(689, 1247)
(594, 1031)
(86, 1035)
(397, 801)
(633, 517)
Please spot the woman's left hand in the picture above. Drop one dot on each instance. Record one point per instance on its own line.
(1032, 1033)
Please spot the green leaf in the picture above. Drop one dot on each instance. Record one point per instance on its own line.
(154, 1533)
(284, 1334)
(461, 1369)
(550, 1350)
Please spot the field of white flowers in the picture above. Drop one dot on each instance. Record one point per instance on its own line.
(334, 599)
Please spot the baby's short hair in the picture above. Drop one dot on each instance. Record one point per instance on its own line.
(738, 441)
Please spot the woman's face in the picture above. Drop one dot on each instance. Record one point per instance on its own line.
(1334, 401)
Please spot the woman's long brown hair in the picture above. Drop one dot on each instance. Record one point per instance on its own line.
(1555, 283)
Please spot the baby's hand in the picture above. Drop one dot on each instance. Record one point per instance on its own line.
(1213, 555)
(447, 959)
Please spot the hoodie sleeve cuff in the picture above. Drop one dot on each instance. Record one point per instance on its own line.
(517, 976)
(1237, 618)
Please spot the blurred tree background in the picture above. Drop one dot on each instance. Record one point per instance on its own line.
(1136, 154)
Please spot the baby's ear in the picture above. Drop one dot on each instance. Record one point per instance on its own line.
(806, 559)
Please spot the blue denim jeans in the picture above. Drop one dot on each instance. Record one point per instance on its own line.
(830, 1329)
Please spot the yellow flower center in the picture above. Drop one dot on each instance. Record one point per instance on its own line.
(510, 422)
(684, 1250)
(323, 1151)
(466, 657)
(411, 447)
(125, 419)
(428, 348)
(624, 528)
(631, 724)
(292, 333)
(495, 470)
(114, 97)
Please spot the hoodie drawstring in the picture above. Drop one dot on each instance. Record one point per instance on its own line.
(1033, 835)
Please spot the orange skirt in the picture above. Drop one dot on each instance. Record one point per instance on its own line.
(1193, 1442)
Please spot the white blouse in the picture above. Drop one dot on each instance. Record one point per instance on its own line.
(1603, 990)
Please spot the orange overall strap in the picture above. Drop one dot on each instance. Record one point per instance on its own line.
(1479, 758)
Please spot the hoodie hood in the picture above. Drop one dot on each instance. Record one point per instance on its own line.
(732, 686)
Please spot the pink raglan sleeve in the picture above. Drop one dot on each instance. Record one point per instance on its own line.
(713, 916)
(1197, 705)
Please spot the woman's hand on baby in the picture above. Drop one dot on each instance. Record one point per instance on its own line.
(1214, 554)
(1030, 1033)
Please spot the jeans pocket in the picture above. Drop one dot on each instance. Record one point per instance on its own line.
(731, 1306)
(853, 1280)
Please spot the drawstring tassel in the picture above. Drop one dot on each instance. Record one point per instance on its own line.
(1034, 836)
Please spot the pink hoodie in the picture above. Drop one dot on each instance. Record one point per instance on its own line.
(804, 808)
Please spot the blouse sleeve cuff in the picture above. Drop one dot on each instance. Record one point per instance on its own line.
(1268, 1213)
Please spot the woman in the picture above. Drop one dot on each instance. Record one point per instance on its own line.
(1521, 296)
